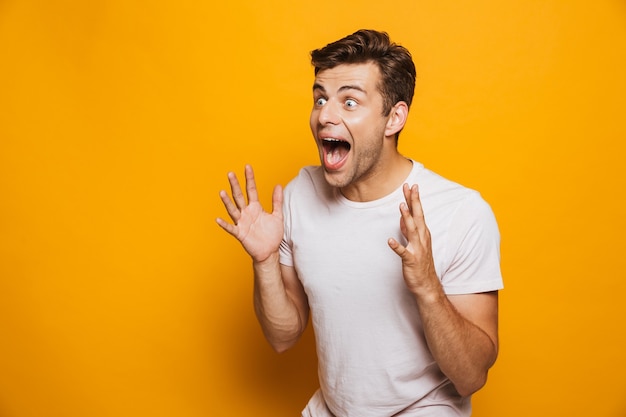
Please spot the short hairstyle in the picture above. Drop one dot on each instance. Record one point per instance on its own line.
(394, 63)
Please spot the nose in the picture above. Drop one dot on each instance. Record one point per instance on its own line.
(328, 114)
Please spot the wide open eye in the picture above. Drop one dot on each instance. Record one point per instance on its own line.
(319, 102)
(350, 103)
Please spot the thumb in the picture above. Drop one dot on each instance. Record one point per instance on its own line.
(277, 200)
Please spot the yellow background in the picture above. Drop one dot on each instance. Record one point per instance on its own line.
(120, 296)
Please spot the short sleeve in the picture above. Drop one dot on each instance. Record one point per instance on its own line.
(285, 252)
(474, 245)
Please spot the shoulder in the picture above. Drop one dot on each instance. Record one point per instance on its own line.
(449, 204)
(440, 194)
(307, 175)
(434, 185)
(309, 182)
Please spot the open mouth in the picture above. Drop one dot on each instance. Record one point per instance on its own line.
(335, 151)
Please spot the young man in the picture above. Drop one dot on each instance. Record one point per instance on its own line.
(401, 281)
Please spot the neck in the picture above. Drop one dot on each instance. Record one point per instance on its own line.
(382, 180)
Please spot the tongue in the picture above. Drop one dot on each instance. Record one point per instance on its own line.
(335, 155)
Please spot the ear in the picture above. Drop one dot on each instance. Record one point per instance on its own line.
(397, 118)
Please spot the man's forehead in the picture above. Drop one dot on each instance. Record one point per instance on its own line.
(346, 75)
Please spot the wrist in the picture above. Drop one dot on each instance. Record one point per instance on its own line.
(270, 262)
(429, 293)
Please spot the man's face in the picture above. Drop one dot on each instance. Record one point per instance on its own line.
(347, 122)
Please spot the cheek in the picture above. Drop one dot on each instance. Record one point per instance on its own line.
(362, 126)
(313, 120)
(355, 122)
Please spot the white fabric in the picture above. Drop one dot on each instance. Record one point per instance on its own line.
(373, 358)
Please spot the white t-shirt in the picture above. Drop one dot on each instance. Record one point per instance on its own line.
(373, 357)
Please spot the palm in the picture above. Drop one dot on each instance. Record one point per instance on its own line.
(259, 232)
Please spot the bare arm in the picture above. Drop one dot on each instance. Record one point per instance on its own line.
(280, 302)
(461, 330)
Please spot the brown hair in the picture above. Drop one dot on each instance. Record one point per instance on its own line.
(394, 62)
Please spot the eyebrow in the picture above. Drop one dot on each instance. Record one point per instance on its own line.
(320, 87)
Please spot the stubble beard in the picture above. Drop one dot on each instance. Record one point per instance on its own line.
(365, 165)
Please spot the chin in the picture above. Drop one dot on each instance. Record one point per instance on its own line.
(335, 179)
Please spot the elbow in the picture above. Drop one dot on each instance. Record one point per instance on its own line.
(284, 340)
(467, 388)
(281, 348)
(283, 345)
(476, 378)
(282, 335)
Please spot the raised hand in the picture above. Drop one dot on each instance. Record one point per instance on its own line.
(259, 232)
(418, 265)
